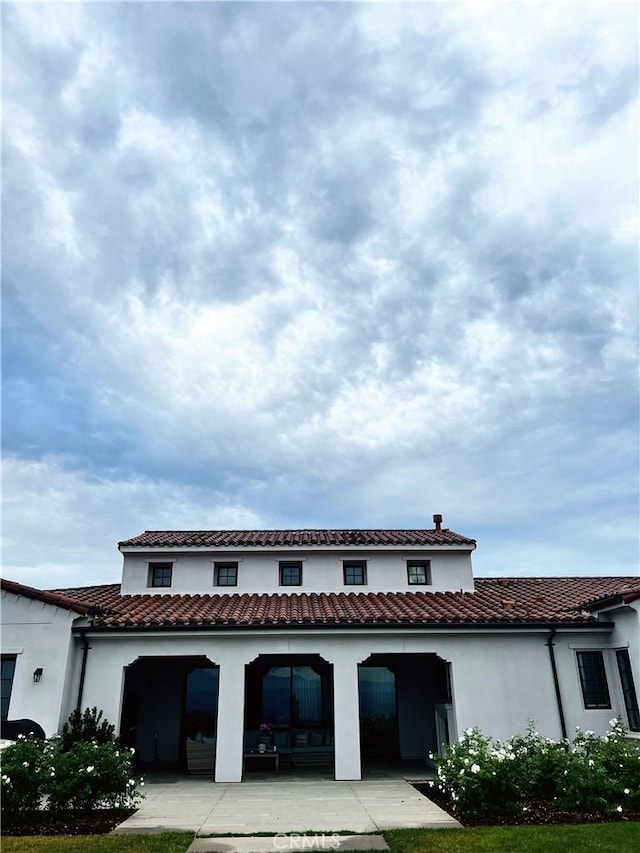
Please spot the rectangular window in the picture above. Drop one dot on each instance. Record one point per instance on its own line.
(290, 573)
(226, 574)
(628, 690)
(355, 572)
(160, 574)
(418, 572)
(8, 670)
(593, 679)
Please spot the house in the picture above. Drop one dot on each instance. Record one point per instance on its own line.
(347, 646)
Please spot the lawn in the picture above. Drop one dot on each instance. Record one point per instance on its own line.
(165, 842)
(592, 838)
(578, 838)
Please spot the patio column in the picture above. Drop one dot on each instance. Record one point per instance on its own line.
(230, 733)
(346, 716)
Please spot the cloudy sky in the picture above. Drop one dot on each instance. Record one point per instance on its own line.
(320, 265)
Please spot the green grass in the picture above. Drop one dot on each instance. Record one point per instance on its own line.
(165, 842)
(584, 838)
(581, 838)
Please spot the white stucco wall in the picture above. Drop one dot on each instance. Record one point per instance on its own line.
(500, 679)
(321, 571)
(40, 636)
(624, 635)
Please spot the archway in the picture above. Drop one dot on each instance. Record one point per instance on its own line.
(405, 708)
(167, 700)
(289, 708)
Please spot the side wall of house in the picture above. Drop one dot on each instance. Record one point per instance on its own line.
(40, 636)
(626, 635)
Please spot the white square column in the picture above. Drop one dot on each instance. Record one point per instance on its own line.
(230, 732)
(346, 711)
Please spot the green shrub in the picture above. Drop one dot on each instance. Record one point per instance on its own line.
(86, 726)
(22, 779)
(487, 779)
(90, 775)
(69, 773)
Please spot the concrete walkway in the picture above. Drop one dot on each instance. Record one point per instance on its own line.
(283, 806)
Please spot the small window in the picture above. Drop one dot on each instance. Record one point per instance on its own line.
(291, 573)
(226, 574)
(8, 670)
(355, 572)
(160, 574)
(628, 690)
(418, 572)
(593, 680)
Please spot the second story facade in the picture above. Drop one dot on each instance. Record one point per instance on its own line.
(169, 562)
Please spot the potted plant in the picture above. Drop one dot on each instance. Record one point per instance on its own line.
(264, 737)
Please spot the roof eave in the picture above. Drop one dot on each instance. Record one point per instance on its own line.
(174, 549)
(52, 599)
(368, 627)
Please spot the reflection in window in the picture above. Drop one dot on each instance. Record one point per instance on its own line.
(377, 691)
(294, 694)
(628, 690)
(226, 574)
(418, 572)
(378, 718)
(290, 573)
(201, 701)
(355, 572)
(161, 574)
(593, 679)
(8, 670)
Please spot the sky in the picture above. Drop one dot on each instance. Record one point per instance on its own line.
(320, 265)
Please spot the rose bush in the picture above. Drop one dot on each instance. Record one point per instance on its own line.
(67, 774)
(489, 779)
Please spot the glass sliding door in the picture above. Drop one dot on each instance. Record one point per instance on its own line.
(378, 712)
(201, 702)
(293, 695)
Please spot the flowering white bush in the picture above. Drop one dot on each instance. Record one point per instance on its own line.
(61, 775)
(485, 778)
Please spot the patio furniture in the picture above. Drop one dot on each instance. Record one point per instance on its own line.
(274, 756)
(201, 755)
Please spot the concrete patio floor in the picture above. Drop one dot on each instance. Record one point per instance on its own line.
(271, 804)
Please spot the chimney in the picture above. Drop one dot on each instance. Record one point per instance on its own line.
(437, 520)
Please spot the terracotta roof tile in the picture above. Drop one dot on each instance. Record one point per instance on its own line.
(292, 538)
(495, 601)
(82, 605)
(624, 595)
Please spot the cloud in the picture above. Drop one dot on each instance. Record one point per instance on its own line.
(333, 267)
(62, 525)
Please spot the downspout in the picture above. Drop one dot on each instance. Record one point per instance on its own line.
(83, 668)
(556, 683)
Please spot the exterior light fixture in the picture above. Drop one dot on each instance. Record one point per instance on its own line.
(37, 675)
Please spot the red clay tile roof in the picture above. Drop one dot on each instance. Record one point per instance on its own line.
(496, 601)
(622, 596)
(78, 604)
(288, 538)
